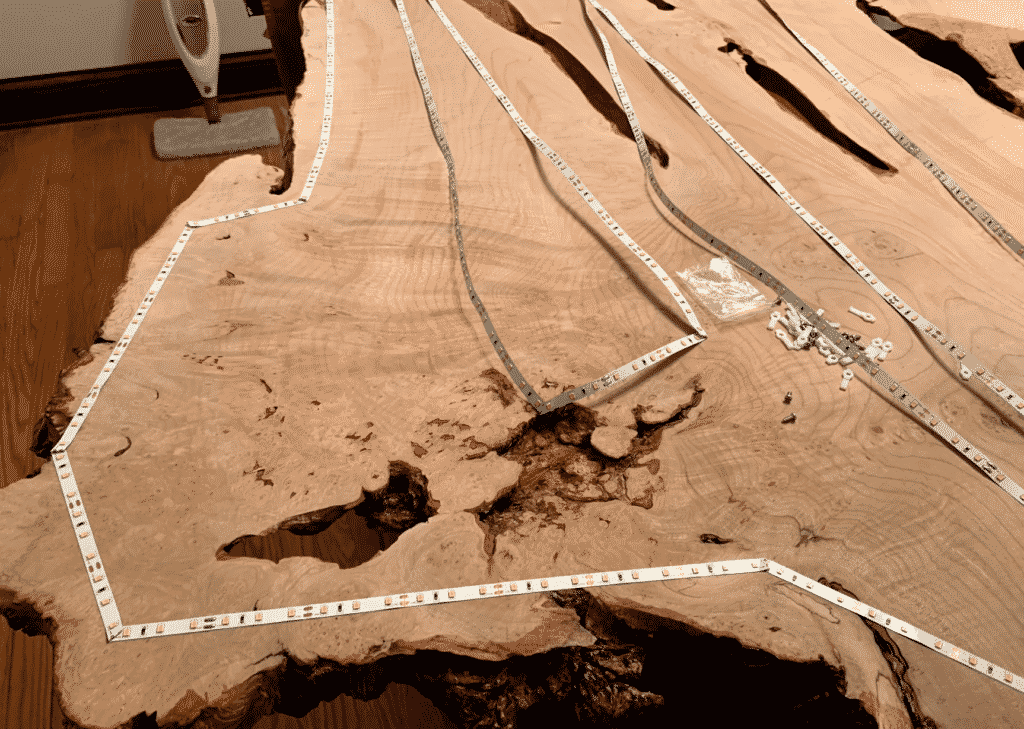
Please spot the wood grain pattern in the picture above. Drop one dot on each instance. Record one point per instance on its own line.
(354, 302)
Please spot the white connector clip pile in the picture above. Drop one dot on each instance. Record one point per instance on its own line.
(878, 350)
(801, 329)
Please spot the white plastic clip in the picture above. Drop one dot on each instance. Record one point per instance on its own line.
(886, 346)
(863, 314)
(847, 376)
(965, 371)
(832, 359)
(774, 320)
(785, 339)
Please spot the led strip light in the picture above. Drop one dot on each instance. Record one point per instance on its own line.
(612, 377)
(967, 362)
(104, 595)
(900, 394)
(968, 203)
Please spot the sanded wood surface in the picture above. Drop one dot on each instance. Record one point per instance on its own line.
(354, 324)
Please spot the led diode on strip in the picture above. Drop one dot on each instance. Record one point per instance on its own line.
(898, 392)
(968, 203)
(615, 376)
(967, 363)
(449, 595)
(87, 545)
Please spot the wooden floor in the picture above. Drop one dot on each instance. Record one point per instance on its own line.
(76, 200)
(27, 700)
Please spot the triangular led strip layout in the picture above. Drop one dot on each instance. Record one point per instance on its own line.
(968, 203)
(103, 592)
(900, 394)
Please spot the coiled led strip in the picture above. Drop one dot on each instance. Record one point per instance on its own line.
(968, 364)
(967, 202)
(612, 377)
(899, 393)
(117, 632)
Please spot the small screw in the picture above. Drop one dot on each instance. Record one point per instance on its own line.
(788, 398)
(791, 418)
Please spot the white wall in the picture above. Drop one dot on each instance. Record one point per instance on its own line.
(52, 36)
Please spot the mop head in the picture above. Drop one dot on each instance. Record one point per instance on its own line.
(194, 137)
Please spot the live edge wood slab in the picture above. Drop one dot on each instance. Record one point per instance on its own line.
(343, 341)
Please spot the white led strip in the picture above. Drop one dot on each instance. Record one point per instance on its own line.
(967, 362)
(968, 203)
(102, 591)
(899, 393)
(104, 594)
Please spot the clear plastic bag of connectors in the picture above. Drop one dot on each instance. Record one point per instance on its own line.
(720, 289)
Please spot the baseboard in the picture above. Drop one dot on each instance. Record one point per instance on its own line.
(139, 88)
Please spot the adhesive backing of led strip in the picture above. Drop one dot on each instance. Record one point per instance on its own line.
(899, 393)
(967, 202)
(968, 364)
(615, 376)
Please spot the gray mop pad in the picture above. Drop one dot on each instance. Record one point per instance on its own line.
(180, 138)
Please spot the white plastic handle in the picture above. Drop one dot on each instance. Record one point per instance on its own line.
(203, 69)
